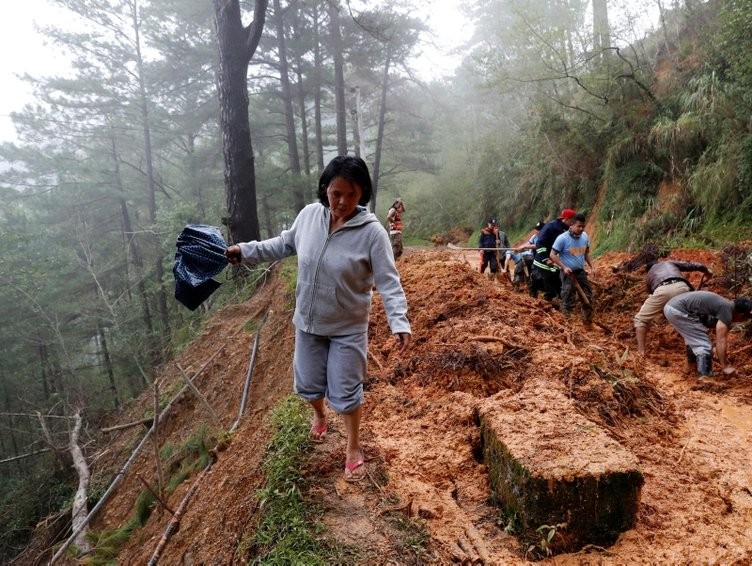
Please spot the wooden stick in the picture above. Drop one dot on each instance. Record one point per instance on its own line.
(22, 456)
(198, 394)
(156, 495)
(249, 374)
(115, 428)
(453, 247)
(172, 527)
(580, 292)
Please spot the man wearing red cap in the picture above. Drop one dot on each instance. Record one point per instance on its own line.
(545, 274)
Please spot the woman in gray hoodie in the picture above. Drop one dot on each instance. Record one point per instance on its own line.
(343, 251)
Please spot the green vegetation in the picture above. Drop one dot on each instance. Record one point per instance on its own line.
(285, 533)
(289, 276)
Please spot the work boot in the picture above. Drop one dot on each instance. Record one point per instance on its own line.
(704, 365)
(691, 358)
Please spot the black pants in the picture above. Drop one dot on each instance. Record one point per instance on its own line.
(570, 295)
(489, 258)
(546, 281)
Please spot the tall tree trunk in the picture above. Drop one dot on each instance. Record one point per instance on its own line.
(43, 372)
(11, 422)
(601, 29)
(237, 45)
(339, 79)
(190, 145)
(380, 130)
(134, 252)
(303, 119)
(357, 124)
(284, 79)
(317, 62)
(105, 352)
(151, 185)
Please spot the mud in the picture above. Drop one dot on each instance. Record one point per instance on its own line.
(473, 338)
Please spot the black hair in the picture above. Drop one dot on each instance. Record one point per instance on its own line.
(539, 226)
(743, 305)
(350, 168)
(579, 217)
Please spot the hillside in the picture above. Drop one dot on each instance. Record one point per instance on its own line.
(473, 339)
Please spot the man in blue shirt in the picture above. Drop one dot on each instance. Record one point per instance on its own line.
(545, 273)
(570, 252)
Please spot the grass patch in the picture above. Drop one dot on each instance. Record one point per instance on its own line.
(284, 533)
(289, 276)
(107, 543)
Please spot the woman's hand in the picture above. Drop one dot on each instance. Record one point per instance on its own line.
(403, 339)
(233, 254)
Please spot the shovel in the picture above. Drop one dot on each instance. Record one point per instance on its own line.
(580, 292)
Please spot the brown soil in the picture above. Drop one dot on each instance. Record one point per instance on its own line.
(473, 338)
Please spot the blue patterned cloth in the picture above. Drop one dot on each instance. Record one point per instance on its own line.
(200, 256)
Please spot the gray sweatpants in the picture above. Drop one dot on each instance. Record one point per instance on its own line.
(695, 333)
(331, 367)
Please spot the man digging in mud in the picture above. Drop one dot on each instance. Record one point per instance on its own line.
(664, 280)
(693, 313)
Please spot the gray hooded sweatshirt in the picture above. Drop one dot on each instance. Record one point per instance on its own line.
(337, 271)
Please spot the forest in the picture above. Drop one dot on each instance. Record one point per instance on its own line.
(225, 112)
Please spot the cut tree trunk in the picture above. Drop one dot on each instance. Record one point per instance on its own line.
(80, 509)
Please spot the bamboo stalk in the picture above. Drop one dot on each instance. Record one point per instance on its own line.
(249, 374)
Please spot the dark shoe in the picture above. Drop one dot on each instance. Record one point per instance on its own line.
(691, 358)
(705, 365)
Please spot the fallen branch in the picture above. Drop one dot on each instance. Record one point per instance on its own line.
(115, 428)
(174, 524)
(468, 549)
(477, 539)
(156, 495)
(375, 360)
(200, 396)
(79, 510)
(23, 456)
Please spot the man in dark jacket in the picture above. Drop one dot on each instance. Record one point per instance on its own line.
(545, 274)
(664, 281)
(693, 313)
(488, 242)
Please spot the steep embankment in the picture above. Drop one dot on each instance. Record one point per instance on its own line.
(472, 339)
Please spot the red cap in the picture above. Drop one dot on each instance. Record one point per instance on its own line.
(568, 213)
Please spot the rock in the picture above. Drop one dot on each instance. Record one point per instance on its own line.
(555, 473)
